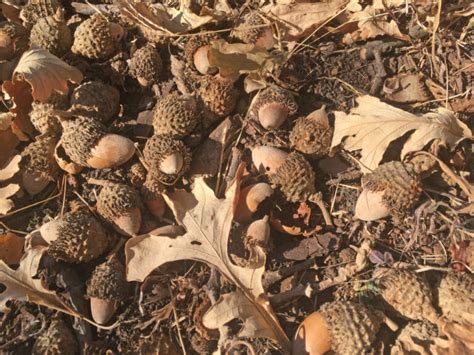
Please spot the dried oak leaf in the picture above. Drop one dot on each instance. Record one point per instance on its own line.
(405, 87)
(6, 204)
(8, 138)
(207, 221)
(373, 125)
(11, 248)
(10, 168)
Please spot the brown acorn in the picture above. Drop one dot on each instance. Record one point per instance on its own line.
(406, 293)
(97, 38)
(57, 339)
(258, 233)
(146, 65)
(106, 288)
(341, 327)
(151, 193)
(196, 51)
(51, 33)
(87, 143)
(218, 96)
(455, 295)
(255, 29)
(95, 99)
(250, 199)
(36, 9)
(273, 106)
(39, 167)
(120, 205)
(268, 159)
(13, 40)
(43, 115)
(394, 187)
(175, 115)
(76, 237)
(166, 158)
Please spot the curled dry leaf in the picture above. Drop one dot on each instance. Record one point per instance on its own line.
(373, 125)
(11, 168)
(6, 204)
(11, 248)
(207, 221)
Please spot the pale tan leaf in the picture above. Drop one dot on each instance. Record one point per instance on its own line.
(300, 19)
(405, 88)
(11, 168)
(11, 248)
(5, 192)
(373, 125)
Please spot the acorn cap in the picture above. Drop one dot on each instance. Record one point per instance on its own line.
(162, 154)
(108, 281)
(95, 99)
(295, 177)
(13, 40)
(43, 116)
(273, 106)
(195, 52)
(120, 205)
(152, 194)
(218, 96)
(414, 333)
(97, 38)
(175, 115)
(406, 293)
(39, 165)
(400, 185)
(254, 29)
(146, 65)
(51, 33)
(57, 339)
(79, 237)
(36, 9)
(456, 297)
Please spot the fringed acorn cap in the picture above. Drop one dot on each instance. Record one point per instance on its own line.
(407, 293)
(146, 65)
(166, 158)
(14, 39)
(312, 137)
(97, 38)
(414, 333)
(353, 327)
(57, 339)
(401, 186)
(175, 115)
(295, 177)
(218, 96)
(254, 29)
(51, 33)
(37, 9)
(273, 106)
(79, 237)
(95, 99)
(43, 116)
(108, 281)
(195, 52)
(456, 297)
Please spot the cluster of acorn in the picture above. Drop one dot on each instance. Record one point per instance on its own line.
(346, 327)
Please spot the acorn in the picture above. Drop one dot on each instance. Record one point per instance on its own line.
(273, 106)
(57, 339)
(268, 159)
(419, 333)
(87, 143)
(64, 161)
(392, 188)
(341, 327)
(218, 96)
(249, 199)
(196, 51)
(13, 40)
(52, 34)
(39, 167)
(258, 233)
(37, 9)
(43, 115)
(406, 293)
(152, 196)
(166, 158)
(312, 134)
(97, 38)
(455, 295)
(76, 237)
(120, 204)
(106, 288)
(95, 99)
(146, 65)
(175, 115)
(255, 29)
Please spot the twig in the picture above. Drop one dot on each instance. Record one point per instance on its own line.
(274, 276)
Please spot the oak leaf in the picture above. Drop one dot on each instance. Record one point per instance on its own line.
(373, 125)
(207, 221)
(6, 204)
(11, 168)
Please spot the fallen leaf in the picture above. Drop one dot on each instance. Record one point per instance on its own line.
(11, 168)
(7, 137)
(11, 248)
(20, 94)
(373, 125)
(207, 221)
(405, 88)
(5, 192)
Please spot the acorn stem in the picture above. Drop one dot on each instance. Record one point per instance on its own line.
(317, 199)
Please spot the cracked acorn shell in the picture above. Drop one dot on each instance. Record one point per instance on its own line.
(343, 327)
(456, 297)
(273, 106)
(95, 99)
(295, 177)
(97, 38)
(249, 199)
(146, 65)
(393, 188)
(51, 33)
(218, 95)
(57, 339)
(407, 293)
(120, 205)
(106, 287)
(248, 32)
(76, 237)
(175, 115)
(13, 40)
(195, 52)
(167, 158)
(39, 167)
(87, 143)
